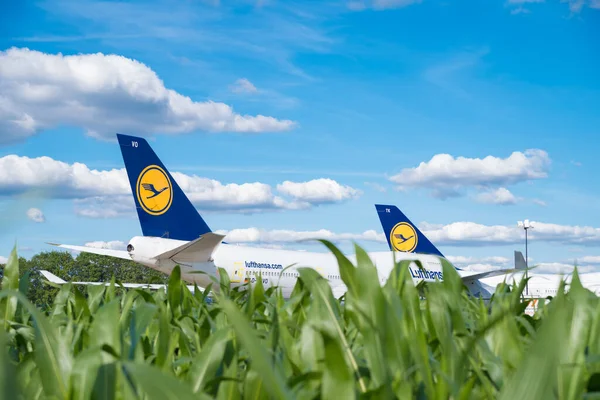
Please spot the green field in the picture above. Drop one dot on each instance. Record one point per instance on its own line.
(376, 343)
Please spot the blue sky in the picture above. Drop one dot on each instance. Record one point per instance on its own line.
(359, 93)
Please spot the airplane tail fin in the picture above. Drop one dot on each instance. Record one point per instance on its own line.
(402, 234)
(163, 209)
(520, 260)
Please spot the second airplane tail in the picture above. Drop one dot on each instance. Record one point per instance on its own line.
(402, 234)
(163, 209)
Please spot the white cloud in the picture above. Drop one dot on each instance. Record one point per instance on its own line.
(539, 202)
(36, 215)
(588, 260)
(107, 194)
(446, 176)
(104, 94)
(255, 235)
(501, 196)
(111, 245)
(472, 234)
(359, 5)
(561, 268)
(58, 179)
(243, 85)
(3, 260)
(318, 191)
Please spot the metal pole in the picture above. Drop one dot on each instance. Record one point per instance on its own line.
(526, 263)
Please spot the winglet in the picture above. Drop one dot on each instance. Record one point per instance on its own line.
(52, 278)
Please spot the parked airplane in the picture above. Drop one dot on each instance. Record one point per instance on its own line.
(400, 234)
(174, 233)
(404, 236)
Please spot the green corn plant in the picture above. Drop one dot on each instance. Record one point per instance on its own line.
(396, 340)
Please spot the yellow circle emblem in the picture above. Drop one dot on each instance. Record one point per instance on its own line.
(154, 192)
(404, 237)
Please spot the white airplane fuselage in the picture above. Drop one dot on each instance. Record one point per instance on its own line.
(247, 264)
(546, 285)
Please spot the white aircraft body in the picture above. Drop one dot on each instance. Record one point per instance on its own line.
(174, 233)
(546, 285)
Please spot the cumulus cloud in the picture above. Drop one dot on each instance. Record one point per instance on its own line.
(103, 94)
(58, 179)
(588, 260)
(318, 191)
(243, 85)
(3, 260)
(255, 235)
(36, 215)
(472, 234)
(107, 193)
(501, 196)
(448, 176)
(562, 268)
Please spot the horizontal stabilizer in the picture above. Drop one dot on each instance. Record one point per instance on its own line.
(154, 286)
(199, 250)
(94, 250)
(52, 278)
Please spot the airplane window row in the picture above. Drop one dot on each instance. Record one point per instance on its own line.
(285, 274)
(272, 273)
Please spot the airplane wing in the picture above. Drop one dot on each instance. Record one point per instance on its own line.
(520, 266)
(103, 252)
(489, 274)
(154, 286)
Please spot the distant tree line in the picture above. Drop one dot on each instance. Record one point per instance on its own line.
(84, 267)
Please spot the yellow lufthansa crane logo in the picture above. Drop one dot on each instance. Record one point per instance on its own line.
(404, 237)
(154, 191)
